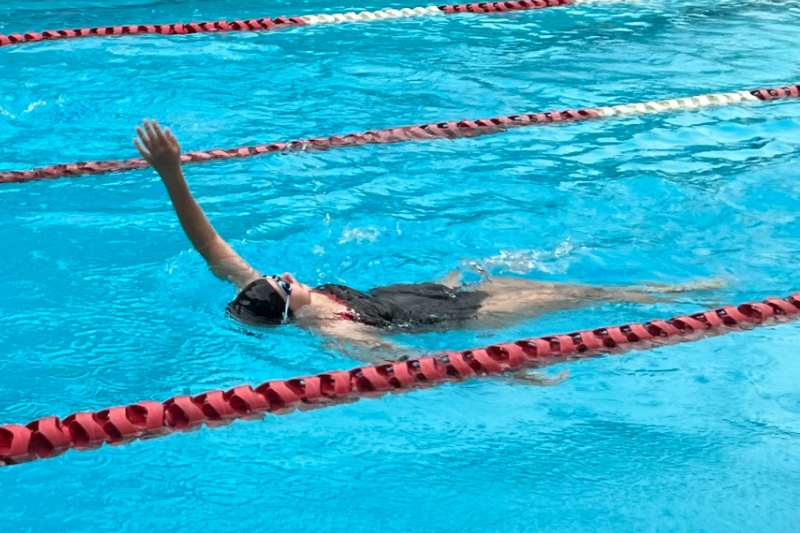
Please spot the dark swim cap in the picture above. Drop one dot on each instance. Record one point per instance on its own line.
(259, 304)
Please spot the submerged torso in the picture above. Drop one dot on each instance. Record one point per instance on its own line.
(407, 305)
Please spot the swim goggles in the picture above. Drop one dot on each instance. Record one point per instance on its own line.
(287, 291)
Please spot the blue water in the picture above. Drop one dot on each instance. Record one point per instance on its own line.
(103, 302)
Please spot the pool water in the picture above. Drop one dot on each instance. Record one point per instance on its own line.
(103, 302)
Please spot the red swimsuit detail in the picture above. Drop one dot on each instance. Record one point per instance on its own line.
(348, 314)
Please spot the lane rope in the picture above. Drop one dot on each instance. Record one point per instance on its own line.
(422, 132)
(50, 436)
(279, 23)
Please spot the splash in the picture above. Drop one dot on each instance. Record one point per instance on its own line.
(555, 261)
(368, 234)
(34, 105)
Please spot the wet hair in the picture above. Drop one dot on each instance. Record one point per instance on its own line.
(259, 304)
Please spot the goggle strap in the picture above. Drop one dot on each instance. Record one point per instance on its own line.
(286, 309)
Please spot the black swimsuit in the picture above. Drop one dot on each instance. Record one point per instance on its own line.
(408, 305)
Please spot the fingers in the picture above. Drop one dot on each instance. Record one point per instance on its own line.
(143, 145)
(171, 139)
(152, 132)
(155, 143)
(142, 149)
(160, 134)
(146, 135)
(143, 136)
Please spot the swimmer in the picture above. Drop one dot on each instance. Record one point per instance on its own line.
(359, 318)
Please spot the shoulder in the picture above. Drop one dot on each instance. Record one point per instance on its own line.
(342, 292)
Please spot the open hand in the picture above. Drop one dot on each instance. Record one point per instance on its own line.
(159, 147)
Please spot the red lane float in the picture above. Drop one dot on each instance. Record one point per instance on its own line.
(49, 436)
(422, 132)
(262, 24)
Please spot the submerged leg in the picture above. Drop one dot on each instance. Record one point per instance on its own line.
(517, 298)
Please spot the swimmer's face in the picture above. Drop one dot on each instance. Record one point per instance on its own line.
(301, 293)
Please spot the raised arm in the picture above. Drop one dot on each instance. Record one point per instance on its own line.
(160, 148)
